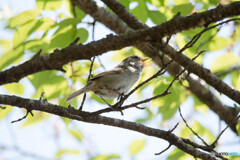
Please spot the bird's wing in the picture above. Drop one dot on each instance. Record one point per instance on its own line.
(113, 71)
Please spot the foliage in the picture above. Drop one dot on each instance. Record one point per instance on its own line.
(36, 29)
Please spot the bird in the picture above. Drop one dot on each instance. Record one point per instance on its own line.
(115, 82)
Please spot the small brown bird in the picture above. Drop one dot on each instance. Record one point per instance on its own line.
(113, 83)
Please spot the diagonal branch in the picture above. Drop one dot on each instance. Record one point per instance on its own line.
(195, 86)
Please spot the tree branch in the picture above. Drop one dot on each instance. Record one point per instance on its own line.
(75, 52)
(204, 94)
(30, 104)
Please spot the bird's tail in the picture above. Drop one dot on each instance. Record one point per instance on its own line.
(77, 93)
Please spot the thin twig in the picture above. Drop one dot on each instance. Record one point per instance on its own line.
(128, 106)
(191, 128)
(41, 96)
(22, 152)
(89, 76)
(23, 117)
(2, 107)
(170, 131)
(100, 62)
(223, 73)
(169, 145)
(213, 145)
(197, 36)
(93, 29)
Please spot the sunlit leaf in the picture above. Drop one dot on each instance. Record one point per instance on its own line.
(83, 34)
(141, 11)
(125, 3)
(203, 131)
(48, 5)
(106, 157)
(184, 9)
(177, 2)
(24, 31)
(218, 43)
(6, 45)
(168, 105)
(238, 128)
(62, 152)
(23, 18)
(76, 133)
(37, 44)
(136, 146)
(50, 83)
(224, 61)
(200, 106)
(16, 88)
(67, 30)
(11, 57)
(178, 154)
(238, 83)
(157, 17)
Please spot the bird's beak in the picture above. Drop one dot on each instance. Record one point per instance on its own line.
(143, 60)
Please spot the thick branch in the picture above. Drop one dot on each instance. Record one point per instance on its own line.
(39, 105)
(74, 52)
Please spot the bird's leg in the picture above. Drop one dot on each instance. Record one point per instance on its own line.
(120, 97)
(106, 102)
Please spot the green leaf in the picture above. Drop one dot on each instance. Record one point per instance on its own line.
(16, 88)
(76, 133)
(79, 13)
(5, 112)
(184, 9)
(200, 106)
(50, 83)
(157, 17)
(136, 146)
(38, 117)
(45, 23)
(168, 105)
(6, 45)
(203, 132)
(238, 128)
(83, 34)
(23, 17)
(66, 33)
(37, 44)
(106, 157)
(218, 43)
(24, 31)
(224, 61)
(63, 37)
(177, 2)
(141, 11)
(214, 2)
(11, 57)
(178, 154)
(48, 5)
(62, 152)
(125, 3)
(238, 83)
(159, 3)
